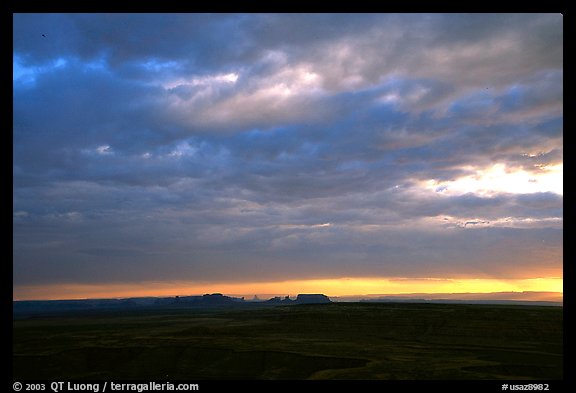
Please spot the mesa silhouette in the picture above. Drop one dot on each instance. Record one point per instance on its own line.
(207, 301)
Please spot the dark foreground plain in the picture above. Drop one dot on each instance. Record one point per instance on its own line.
(323, 341)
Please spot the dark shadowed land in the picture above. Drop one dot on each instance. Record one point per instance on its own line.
(298, 341)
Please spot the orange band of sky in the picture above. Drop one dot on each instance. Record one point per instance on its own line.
(330, 287)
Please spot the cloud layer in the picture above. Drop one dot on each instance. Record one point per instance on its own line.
(268, 147)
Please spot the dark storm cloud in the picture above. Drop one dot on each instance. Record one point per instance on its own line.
(208, 146)
(126, 39)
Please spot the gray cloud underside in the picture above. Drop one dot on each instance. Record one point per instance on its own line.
(215, 146)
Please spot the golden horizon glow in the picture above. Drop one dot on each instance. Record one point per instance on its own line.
(330, 287)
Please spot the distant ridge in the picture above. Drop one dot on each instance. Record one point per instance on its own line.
(214, 300)
(527, 297)
(456, 301)
(316, 298)
(218, 300)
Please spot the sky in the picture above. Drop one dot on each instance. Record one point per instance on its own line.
(274, 153)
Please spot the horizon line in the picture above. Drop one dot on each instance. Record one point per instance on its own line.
(267, 296)
(338, 286)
